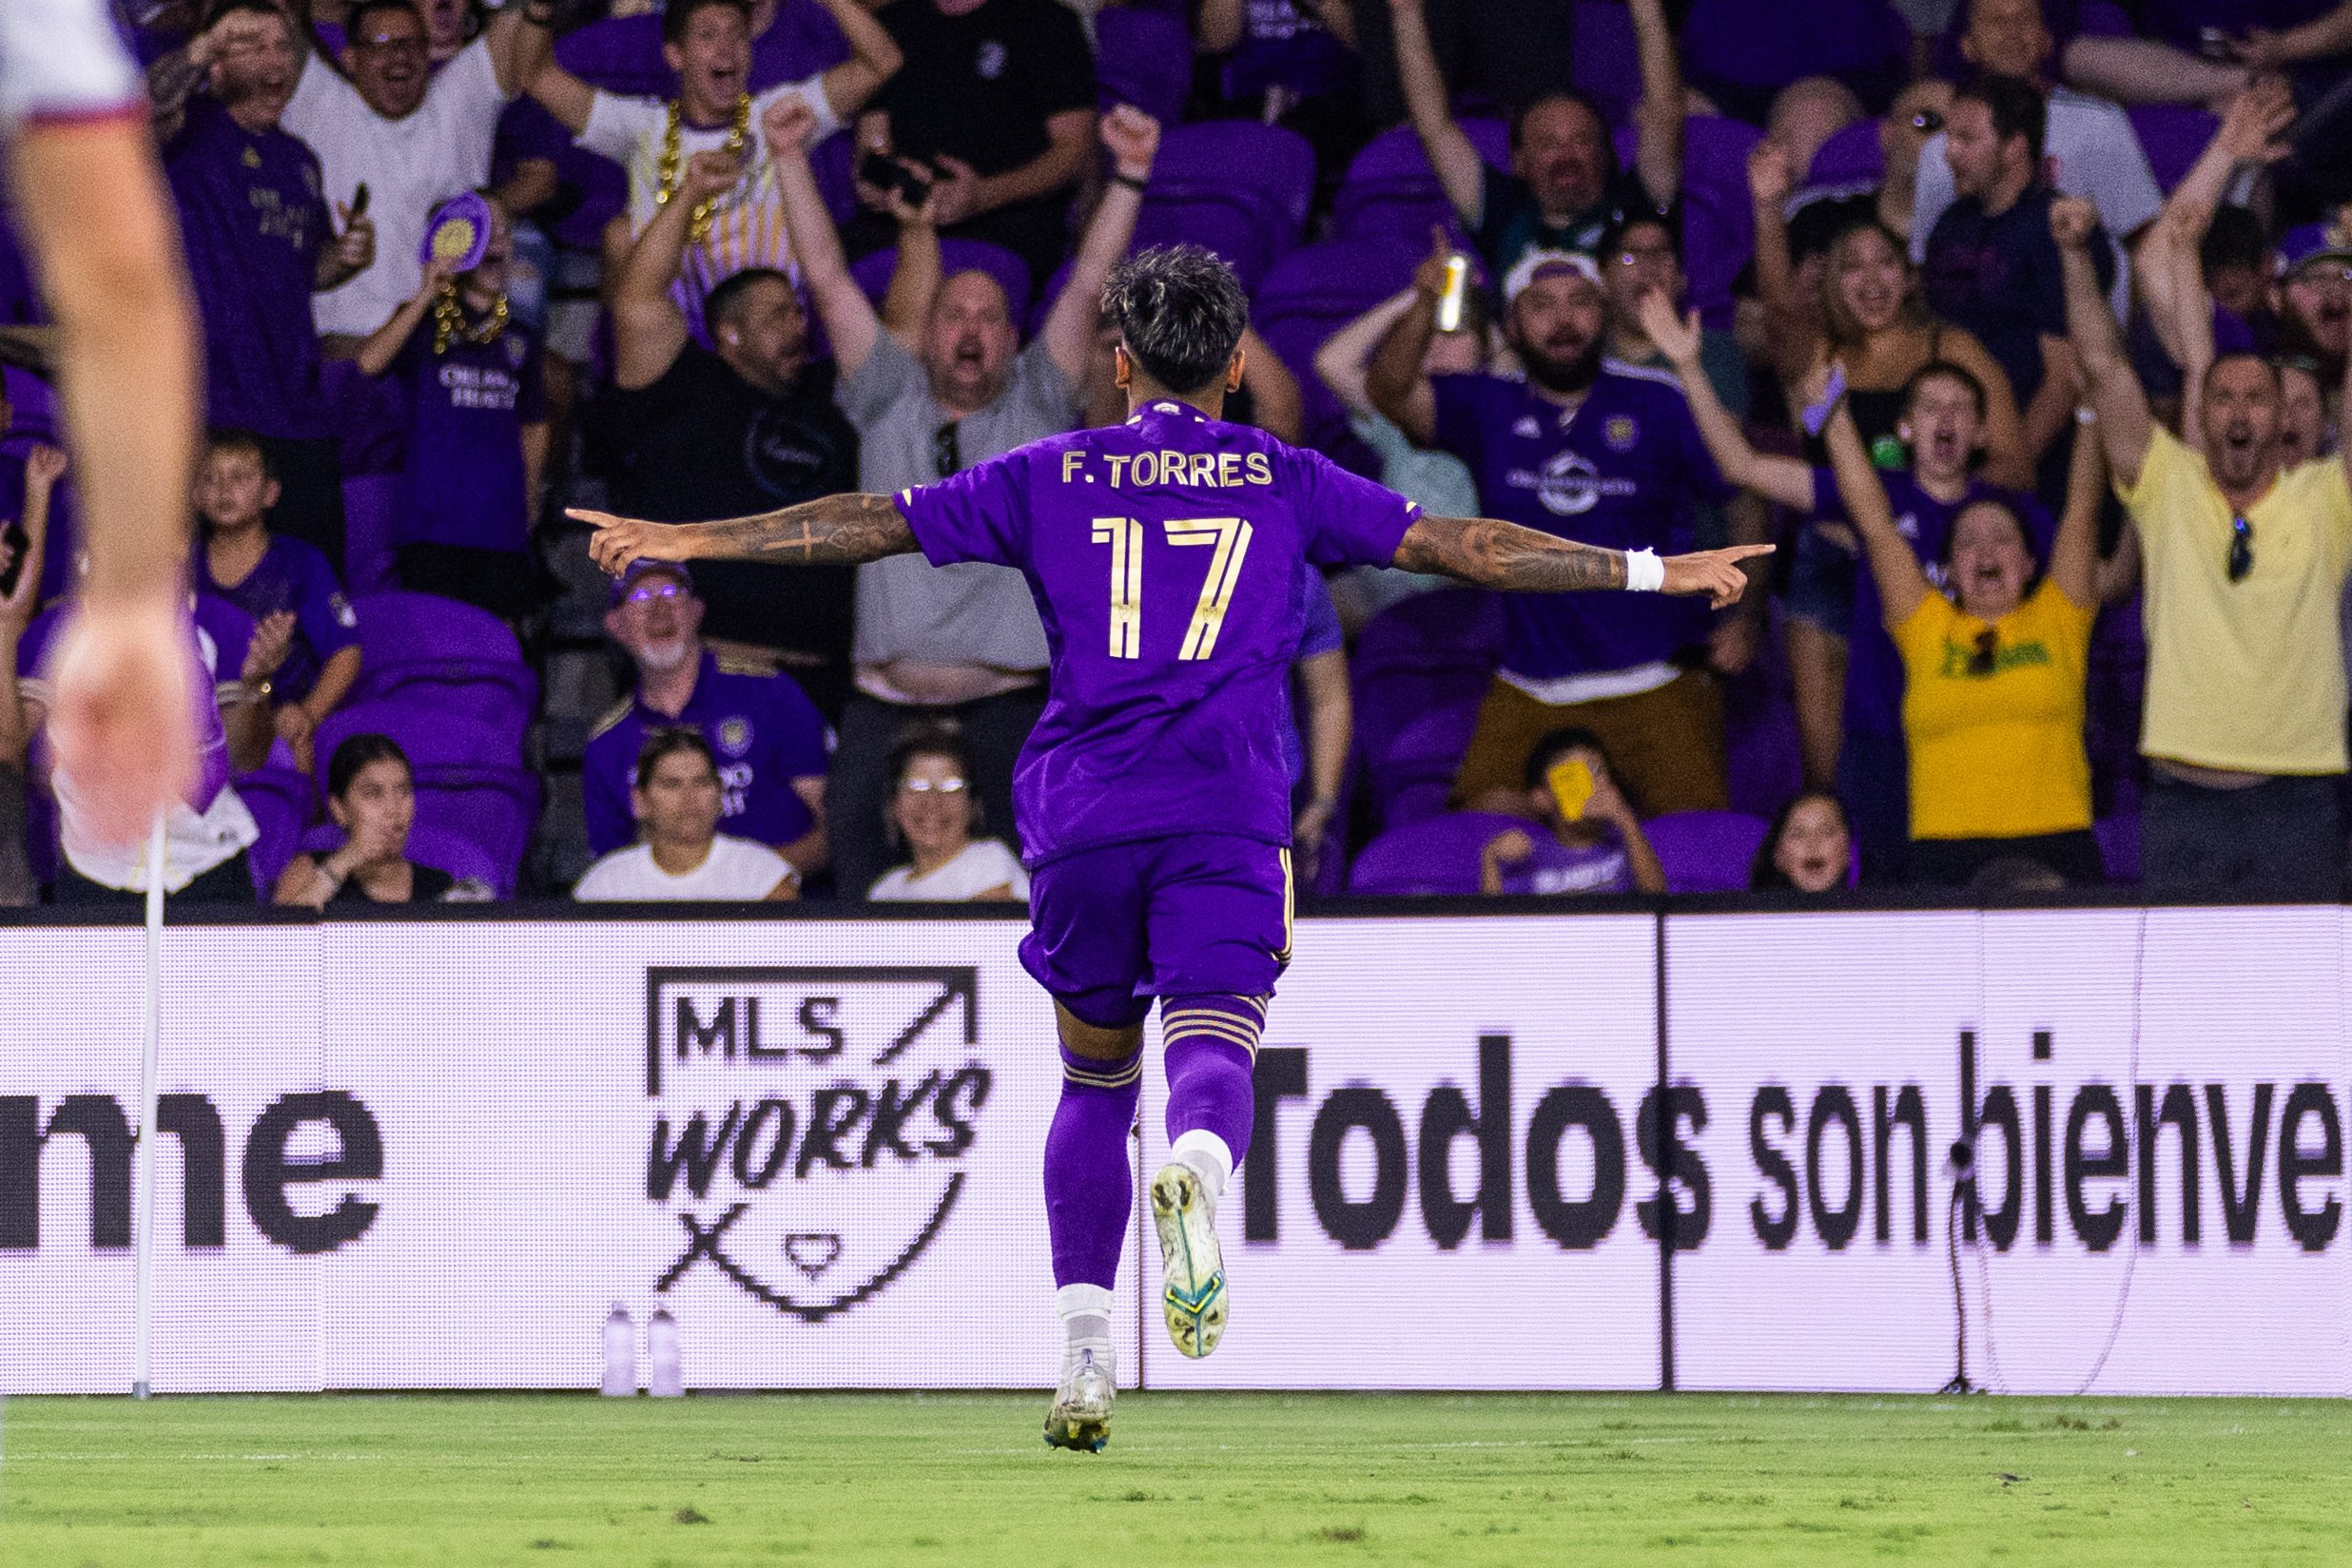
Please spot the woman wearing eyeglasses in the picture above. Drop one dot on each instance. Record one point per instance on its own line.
(933, 814)
(1994, 664)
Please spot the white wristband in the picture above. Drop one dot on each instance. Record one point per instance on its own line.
(1644, 571)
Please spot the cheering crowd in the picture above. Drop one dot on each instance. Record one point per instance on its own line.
(2019, 326)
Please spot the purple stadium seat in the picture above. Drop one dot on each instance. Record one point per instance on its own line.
(1604, 62)
(427, 731)
(469, 777)
(1227, 221)
(283, 802)
(1764, 756)
(1391, 191)
(1851, 157)
(1411, 770)
(1044, 304)
(1719, 215)
(1272, 163)
(1144, 58)
(1446, 628)
(2119, 847)
(371, 514)
(1314, 292)
(619, 54)
(872, 273)
(422, 647)
(1436, 857)
(2173, 136)
(1706, 851)
(494, 807)
(434, 846)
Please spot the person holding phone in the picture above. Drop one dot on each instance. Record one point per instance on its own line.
(1592, 840)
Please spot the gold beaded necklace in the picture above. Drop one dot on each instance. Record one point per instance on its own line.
(448, 321)
(668, 167)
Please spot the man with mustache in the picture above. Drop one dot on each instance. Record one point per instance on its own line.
(1565, 189)
(1609, 449)
(379, 116)
(2246, 562)
(745, 424)
(253, 215)
(936, 383)
(766, 740)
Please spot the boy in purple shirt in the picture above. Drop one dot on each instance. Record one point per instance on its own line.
(285, 585)
(1163, 554)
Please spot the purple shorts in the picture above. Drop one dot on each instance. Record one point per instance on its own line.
(1111, 928)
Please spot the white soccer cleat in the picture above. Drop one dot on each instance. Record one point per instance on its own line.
(1192, 1267)
(1080, 1417)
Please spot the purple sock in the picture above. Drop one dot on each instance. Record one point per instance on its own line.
(1089, 1185)
(1211, 1042)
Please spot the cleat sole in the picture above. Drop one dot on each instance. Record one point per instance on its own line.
(1192, 1299)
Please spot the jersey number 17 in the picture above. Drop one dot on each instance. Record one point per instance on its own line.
(1229, 539)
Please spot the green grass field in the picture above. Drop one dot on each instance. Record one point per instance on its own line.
(1220, 1481)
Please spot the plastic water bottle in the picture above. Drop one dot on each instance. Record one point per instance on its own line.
(620, 1353)
(665, 1376)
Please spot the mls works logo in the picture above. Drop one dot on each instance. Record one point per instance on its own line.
(810, 1124)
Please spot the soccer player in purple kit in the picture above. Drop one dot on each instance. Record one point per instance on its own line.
(1153, 797)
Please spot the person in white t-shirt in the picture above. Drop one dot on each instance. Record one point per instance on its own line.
(934, 814)
(412, 136)
(684, 854)
(708, 44)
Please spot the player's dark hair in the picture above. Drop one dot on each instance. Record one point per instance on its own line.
(2234, 240)
(725, 303)
(1557, 744)
(1180, 312)
(355, 754)
(354, 22)
(670, 743)
(230, 439)
(679, 13)
(1764, 873)
(1944, 370)
(2017, 107)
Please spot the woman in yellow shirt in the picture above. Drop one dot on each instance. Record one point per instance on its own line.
(1994, 674)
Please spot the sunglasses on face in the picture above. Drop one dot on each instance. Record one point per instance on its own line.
(1927, 122)
(651, 592)
(389, 42)
(2240, 548)
(932, 786)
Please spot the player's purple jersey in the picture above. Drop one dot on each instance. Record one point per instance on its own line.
(1163, 554)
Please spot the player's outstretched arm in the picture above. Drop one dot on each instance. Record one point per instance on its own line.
(1521, 560)
(831, 531)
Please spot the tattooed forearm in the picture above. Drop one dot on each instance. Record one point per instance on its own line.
(169, 82)
(1504, 556)
(831, 531)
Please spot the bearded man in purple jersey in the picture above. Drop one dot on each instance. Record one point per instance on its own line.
(1154, 801)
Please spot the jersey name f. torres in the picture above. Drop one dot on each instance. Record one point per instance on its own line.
(1164, 555)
